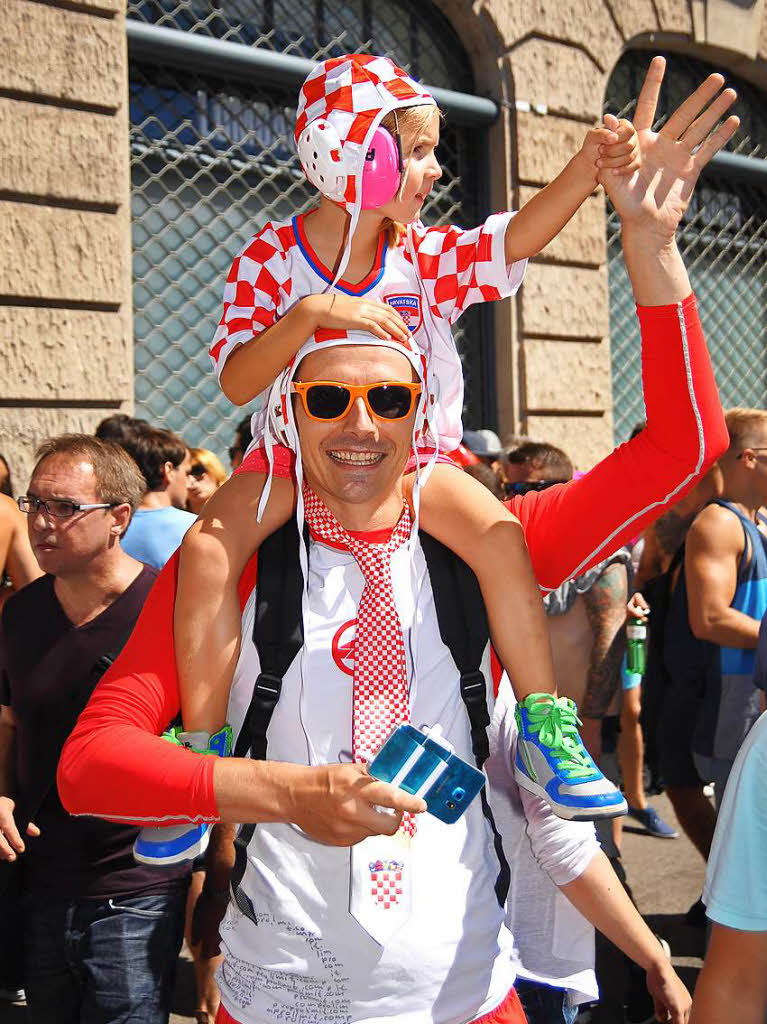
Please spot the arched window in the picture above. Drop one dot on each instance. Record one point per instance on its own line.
(212, 159)
(723, 239)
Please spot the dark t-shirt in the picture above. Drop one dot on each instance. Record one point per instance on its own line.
(48, 670)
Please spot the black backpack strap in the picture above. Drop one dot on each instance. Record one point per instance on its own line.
(465, 632)
(278, 634)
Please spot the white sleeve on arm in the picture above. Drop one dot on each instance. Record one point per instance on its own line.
(735, 892)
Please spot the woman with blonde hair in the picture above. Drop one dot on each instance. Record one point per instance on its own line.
(205, 476)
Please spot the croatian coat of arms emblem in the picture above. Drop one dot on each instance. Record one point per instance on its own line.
(386, 882)
(409, 308)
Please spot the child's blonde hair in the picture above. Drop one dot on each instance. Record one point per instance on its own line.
(408, 123)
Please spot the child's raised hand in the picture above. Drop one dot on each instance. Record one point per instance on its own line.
(624, 156)
(613, 146)
(335, 311)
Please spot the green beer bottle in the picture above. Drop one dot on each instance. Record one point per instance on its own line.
(636, 646)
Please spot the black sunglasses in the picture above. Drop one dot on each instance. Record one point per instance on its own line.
(198, 471)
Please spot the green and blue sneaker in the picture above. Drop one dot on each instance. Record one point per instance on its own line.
(552, 762)
(161, 846)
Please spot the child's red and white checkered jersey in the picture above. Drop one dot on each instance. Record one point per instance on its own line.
(456, 268)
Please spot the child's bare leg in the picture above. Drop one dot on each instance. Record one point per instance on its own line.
(207, 619)
(470, 521)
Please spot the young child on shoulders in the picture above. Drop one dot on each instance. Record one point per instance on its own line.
(361, 260)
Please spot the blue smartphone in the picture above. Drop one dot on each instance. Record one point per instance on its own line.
(422, 763)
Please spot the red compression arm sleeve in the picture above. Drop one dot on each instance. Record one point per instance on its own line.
(573, 526)
(115, 765)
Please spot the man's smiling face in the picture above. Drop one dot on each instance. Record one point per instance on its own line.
(355, 464)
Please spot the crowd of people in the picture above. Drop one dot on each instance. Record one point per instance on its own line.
(587, 618)
(197, 671)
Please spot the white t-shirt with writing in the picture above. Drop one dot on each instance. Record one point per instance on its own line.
(308, 961)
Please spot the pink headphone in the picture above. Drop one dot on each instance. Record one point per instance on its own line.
(322, 158)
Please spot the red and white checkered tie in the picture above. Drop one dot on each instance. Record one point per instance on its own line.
(381, 876)
(380, 698)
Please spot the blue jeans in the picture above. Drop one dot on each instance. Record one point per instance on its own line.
(544, 1004)
(103, 961)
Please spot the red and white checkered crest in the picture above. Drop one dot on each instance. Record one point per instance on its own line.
(386, 882)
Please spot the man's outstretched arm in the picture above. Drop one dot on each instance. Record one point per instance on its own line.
(599, 896)
(571, 527)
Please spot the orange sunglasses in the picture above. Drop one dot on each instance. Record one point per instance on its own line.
(331, 400)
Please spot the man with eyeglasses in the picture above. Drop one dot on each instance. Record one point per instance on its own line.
(100, 933)
(534, 466)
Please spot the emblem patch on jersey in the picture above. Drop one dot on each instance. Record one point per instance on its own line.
(386, 882)
(342, 646)
(409, 308)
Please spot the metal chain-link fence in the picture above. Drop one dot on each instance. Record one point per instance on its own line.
(416, 34)
(212, 160)
(723, 240)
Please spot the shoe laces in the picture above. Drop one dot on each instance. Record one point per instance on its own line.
(556, 722)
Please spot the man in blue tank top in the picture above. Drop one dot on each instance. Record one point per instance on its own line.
(726, 573)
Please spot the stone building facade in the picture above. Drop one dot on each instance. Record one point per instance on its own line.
(66, 350)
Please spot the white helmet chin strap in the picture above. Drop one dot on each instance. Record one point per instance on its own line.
(354, 216)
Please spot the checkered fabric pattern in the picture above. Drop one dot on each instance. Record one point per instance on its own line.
(352, 92)
(380, 697)
(258, 283)
(386, 882)
(457, 267)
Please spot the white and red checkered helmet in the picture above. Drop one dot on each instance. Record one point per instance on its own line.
(340, 107)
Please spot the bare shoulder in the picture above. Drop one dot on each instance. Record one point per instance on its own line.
(9, 510)
(716, 528)
(10, 520)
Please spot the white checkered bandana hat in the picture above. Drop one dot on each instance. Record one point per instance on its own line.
(380, 695)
